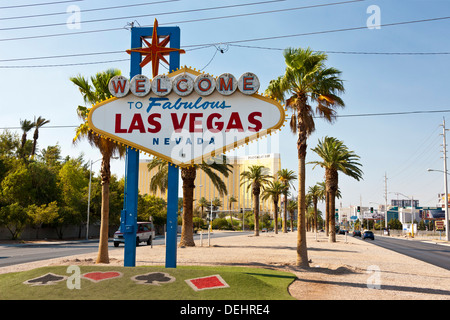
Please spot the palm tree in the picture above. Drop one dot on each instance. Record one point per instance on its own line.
(159, 179)
(26, 126)
(317, 194)
(335, 157)
(324, 197)
(188, 175)
(257, 177)
(291, 207)
(107, 148)
(273, 190)
(287, 177)
(306, 81)
(39, 122)
(203, 203)
(216, 204)
(231, 200)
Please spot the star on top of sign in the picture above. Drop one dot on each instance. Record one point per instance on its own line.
(155, 50)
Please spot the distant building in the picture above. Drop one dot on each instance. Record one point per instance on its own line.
(403, 203)
(441, 200)
(205, 188)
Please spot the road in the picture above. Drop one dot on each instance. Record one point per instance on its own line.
(14, 254)
(436, 254)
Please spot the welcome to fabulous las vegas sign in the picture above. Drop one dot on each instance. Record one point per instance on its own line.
(186, 117)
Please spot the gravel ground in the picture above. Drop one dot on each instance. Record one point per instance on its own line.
(350, 269)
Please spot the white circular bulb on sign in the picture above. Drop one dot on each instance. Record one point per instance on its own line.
(119, 86)
(226, 84)
(248, 83)
(183, 85)
(161, 85)
(204, 84)
(140, 85)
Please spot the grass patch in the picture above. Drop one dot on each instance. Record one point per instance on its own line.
(244, 284)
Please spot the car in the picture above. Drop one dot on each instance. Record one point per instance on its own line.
(357, 233)
(342, 231)
(368, 235)
(145, 233)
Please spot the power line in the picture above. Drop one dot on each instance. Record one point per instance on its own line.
(346, 52)
(334, 30)
(389, 113)
(151, 14)
(208, 46)
(234, 45)
(64, 64)
(75, 63)
(174, 22)
(389, 53)
(39, 4)
(87, 10)
(239, 41)
(63, 56)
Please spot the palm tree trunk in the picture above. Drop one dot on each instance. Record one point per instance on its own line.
(315, 214)
(103, 256)
(327, 211)
(302, 253)
(332, 234)
(35, 138)
(187, 235)
(285, 213)
(256, 192)
(275, 207)
(332, 186)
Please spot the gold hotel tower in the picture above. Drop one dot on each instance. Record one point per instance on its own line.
(205, 188)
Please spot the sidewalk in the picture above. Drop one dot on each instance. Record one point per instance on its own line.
(346, 270)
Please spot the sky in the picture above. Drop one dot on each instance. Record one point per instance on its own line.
(241, 36)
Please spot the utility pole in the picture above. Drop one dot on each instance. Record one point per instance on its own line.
(385, 202)
(445, 184)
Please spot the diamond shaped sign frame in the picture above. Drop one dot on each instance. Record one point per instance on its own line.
(186, 129)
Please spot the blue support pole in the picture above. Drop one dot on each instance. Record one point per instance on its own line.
(172, 218)
(172, 190)
(129, 214)
(128, 223)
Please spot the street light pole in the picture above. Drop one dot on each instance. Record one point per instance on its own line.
(412, 215)
(446, 202)
(385, 202)
(445, 185)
